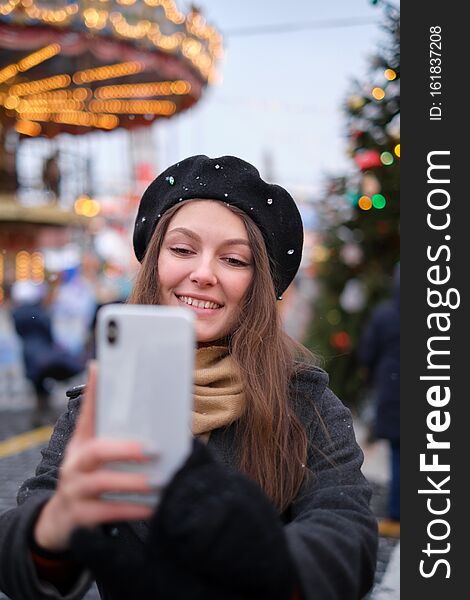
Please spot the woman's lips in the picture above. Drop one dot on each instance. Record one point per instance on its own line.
(197, 309)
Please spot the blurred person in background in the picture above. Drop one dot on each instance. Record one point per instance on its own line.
(43, 358)
(379, 353)
(73, 307)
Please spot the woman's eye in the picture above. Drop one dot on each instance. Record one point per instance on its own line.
(177, 250)
(236, 262)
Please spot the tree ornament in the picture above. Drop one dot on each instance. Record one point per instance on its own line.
(341, 341)
(367, 159)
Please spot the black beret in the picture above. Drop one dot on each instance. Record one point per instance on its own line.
(235, 182)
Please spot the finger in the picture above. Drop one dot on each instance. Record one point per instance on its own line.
(97, 452)
(85, 427)
(94, 512)
(104, 481)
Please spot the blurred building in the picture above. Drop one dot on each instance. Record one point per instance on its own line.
(75, 68)
(25, 233)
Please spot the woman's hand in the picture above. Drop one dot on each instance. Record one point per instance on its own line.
(84, 477)
(214, 535)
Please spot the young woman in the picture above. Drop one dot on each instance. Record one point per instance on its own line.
(272, 502)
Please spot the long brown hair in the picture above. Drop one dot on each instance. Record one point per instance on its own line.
(272, 441)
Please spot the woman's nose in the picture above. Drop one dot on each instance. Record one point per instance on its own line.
(203, 273)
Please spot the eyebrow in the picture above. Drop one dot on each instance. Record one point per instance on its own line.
(194, 236)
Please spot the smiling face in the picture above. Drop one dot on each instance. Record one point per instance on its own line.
(205, 263)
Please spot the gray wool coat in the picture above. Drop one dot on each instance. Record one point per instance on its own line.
(330, 529)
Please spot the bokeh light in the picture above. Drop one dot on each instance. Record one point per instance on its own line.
(378, 93)
(341, 340)
(378, 201)
(386, 158)
(390, 74)
(320, 253)
(333, 316)
(397, 150)
(86, 206)
(365, 203)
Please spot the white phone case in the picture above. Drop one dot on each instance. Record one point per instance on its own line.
(145, 385)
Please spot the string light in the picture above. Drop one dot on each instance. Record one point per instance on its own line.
(37, 267)
(22, 265)
(35, 117)
(108, 72)
(86, 206)
(38, 57)
(11, 102)
(122, 27)
(194, 36)
(169, 7)
(30, 128)
(8, 7)
(197, 26)
(95, 19)
(386, 158)
(78, 118)
(378, 93)
(80, 94)
(45, 106)
(378, 201)
(48, 100)
(59, 16)
(166, 42)
(364, 203)
(160, 88)
(191, 47)
(8, 72)
(29, 62)
(157, 107)
(40, 85)
(85, 119)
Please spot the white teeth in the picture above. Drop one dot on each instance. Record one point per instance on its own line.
(198, 303)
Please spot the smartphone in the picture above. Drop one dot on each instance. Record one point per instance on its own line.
(145, 360)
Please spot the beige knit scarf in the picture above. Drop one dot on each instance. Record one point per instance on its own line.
(218, 391)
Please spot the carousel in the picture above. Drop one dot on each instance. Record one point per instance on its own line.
(77, 67)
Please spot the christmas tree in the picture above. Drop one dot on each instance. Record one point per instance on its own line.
(359, 213)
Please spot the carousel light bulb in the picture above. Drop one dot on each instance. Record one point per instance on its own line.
(8, 73)
(40, 85)
(38, 57)
(11, 102)
(30, 128)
